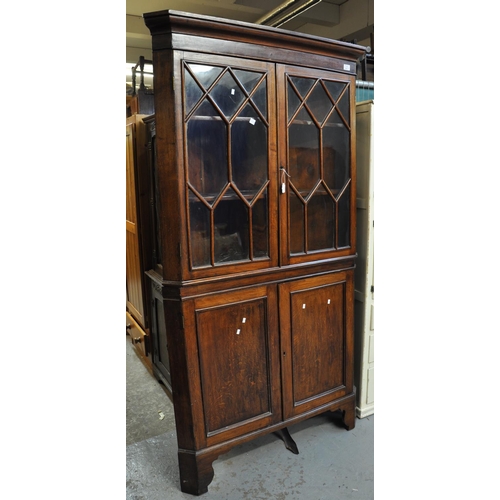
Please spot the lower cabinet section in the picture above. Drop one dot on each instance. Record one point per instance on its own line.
(237, 361)
(253, 360)
(316, 321)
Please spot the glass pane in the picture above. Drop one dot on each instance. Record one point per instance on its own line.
(260, 227)
(319, 103)
(193, 92)
(227, 95)
(247, 78)
(344, 215)
(156, 204)
(296, 224)
(336, 153)
(304, 159)
(260, 98)
(335, 88)
(293, 101)
(199, 219)
(303, 85)
(249, 151)
(207, 152)
(231, 229)
(206, 75)
(320, 221)
(344, 107)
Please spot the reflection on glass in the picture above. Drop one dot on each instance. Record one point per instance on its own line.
(259, 227)
(192, 91)
(206, 75)
(227, 95)
(335, 89)
(231, 229)
(293, 101)
(207, 151)
(336, 149)
(199, 220)
(296, 224)
(304, 159)
(320, 221)
(344, 107)
(260, 98)
(344, 218)
(303, 85)
(249, 151)
(319, 103)
(247, 78)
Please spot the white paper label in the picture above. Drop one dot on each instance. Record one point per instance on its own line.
(232, 90)
(252, 121)
(283, 187)
(238, 331)
(347, 67)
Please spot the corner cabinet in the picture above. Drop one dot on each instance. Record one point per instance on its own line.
(254, 216)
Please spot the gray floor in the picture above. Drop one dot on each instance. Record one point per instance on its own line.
(333, 464)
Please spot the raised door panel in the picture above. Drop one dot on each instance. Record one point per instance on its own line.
(238, 352)
(316, 339)
(230, 164)
(133, 263)
(317, 158)
(161, 358)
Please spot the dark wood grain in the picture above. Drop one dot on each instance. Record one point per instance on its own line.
(255, 341)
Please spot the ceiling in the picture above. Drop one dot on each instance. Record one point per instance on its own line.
(350, 20)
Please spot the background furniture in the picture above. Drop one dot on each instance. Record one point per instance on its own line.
(364, 274)
(138, 237)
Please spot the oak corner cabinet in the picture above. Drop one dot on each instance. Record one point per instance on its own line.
(254, 224)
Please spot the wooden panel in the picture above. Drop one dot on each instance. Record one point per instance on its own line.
(315, 319)
(131, 211)
(161, 360)
(238, 350)
(133, 265)
(317, 340)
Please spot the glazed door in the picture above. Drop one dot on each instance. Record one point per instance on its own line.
(316, 319)
(316, 164)
(237, 361)
(230, 164)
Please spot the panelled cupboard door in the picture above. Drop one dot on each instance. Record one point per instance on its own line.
(229, 127)
(316, 344)
(316, 155)
(238, 356)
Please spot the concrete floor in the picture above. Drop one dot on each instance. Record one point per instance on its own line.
(333, 464)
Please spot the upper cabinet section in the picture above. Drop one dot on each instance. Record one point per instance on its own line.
(254, 146)
(230, 162)
(316, 163)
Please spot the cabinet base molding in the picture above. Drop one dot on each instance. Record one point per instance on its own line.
(195, 467)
